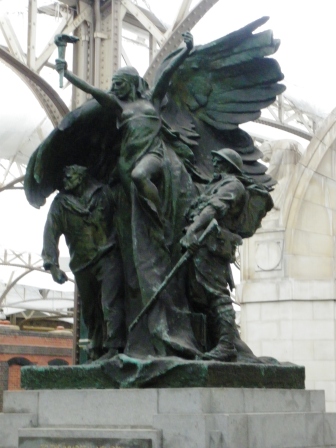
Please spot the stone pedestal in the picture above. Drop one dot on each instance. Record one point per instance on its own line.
(123, 372)
(167, 418)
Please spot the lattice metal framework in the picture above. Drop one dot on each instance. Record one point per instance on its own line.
(283, 114)
(25, 261)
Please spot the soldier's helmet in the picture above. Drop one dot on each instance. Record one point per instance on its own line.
(230, 156)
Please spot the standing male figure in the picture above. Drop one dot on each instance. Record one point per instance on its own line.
(224, 199)
(83, 213)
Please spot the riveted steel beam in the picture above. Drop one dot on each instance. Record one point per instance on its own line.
(181, 14)
(144, 20)
(285, 127)
(31, 43)
(11, 174)
(54, 106)
(67, 26)
(11, 39)
(116, 26)
(175, 39)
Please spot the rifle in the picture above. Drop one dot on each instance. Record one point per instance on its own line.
(213, 225)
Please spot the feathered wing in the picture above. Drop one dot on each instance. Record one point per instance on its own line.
(224, 84)
(87, 136)
(219, 86)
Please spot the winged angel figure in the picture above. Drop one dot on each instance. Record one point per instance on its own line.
(153, 147)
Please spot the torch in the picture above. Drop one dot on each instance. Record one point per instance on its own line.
(61, 41)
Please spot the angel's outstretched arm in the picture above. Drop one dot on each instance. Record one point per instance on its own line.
(161, 86)
(103, 98)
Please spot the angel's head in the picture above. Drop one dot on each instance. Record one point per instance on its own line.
(227, 160)
(127, 84)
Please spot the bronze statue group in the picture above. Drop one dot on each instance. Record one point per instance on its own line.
(148, 175)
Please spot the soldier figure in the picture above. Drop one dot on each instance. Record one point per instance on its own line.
(224, 199)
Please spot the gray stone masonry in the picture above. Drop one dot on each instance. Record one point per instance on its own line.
(170, 418)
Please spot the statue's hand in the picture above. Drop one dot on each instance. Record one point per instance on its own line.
(61, 65)
(189, 40)
(58, 275)
(190, 242)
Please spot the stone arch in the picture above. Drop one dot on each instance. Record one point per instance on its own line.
(288, 292)
(309, 211)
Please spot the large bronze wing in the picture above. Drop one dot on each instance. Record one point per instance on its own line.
(87, 136)
(222, 85)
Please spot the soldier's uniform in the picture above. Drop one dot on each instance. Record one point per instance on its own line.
(210, 271)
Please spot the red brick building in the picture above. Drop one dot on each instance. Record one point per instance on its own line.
(20, 348)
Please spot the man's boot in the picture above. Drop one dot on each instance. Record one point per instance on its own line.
(222, 327)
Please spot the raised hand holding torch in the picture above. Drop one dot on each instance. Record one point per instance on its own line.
(61, 40)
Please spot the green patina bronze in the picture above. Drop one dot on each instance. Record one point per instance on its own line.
(171, 186)
(123, 372)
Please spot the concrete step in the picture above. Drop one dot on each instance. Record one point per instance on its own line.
(137, 406)
(20, 401)
(112, 437)
(9, 426)
(188, 418)
(230, 400)
(288, 430)
(264, 430)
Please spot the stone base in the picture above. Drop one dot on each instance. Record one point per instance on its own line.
(168, 418)
(124, 372)
(90, 438)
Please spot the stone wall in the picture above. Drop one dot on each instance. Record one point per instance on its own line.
(3, 380)
(288, 289)
(19, 348)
